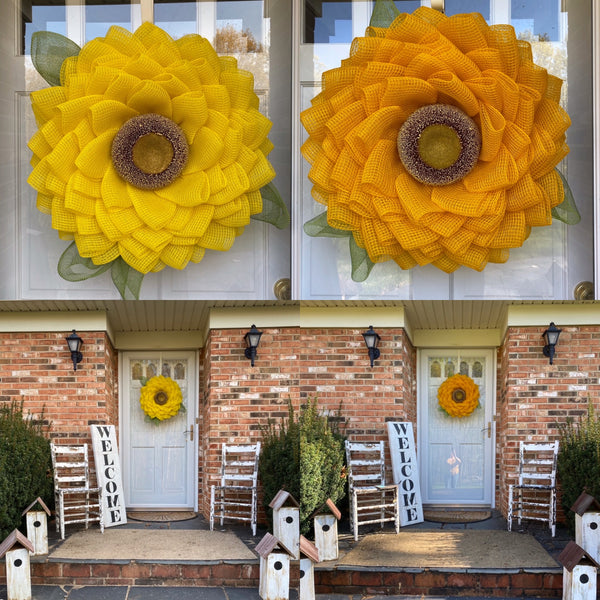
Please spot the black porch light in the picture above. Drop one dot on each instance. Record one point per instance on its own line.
(252, 339)
(372, 341)
(75, 343)
(550, 340)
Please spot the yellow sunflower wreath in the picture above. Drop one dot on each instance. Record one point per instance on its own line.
(458, 396)
(436, 141)
(149, 152)
(161, 398)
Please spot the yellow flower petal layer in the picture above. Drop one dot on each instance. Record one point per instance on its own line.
(428, 58)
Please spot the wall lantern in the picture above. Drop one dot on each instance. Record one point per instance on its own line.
(252, 339)
(550, 339)
(75, 343)
(372, 341)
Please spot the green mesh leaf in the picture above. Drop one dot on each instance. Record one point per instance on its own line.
(318, 227)
(566, 211)
(73, 267)
(361, 263)
(48, 52)
(126, 279)
(384, 13)
(274, 209)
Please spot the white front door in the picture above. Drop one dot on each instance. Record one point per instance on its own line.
(159, 459)
(456, 453)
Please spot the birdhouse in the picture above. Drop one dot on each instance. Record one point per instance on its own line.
(274, 576)
(326, 530)
(286, 521)
(587, 524)
(579, 573)
(37, 525)
(309, 555)
(16, 547)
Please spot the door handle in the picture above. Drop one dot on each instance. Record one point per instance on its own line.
(191, 432)
(488, 429)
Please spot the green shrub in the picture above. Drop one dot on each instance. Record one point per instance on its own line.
(25, 465)
(279, 465)
(306, 458)
(579, 461)
(322, 463)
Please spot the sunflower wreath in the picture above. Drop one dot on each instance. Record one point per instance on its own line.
(161, 398)
(149, 151)
(458, 396)
(436, 142)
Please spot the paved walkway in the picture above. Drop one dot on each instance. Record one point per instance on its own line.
(51, 592)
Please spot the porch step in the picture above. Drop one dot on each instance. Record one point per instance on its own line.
(439, 582)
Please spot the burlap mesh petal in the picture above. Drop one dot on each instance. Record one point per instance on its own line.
(553, 186)
(109, 114)
(424, 66)
(61, 160)
(486, 59)
(172, 85)
(414, 198)
(155, 211)
(409, 28)
(458, 243)
(345, 171)
(94, 159)
(190, 112)
(533, 76)
(383, 124)
(528, 102)
(492, 125)
(453, 91)
(374, 72)
(383, 159)
(444, 224)
(402, 91)
(538, 215)
(79, 204)
(464, 32)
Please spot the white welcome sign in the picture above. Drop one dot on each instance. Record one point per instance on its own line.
(405, 471)
(108, 473)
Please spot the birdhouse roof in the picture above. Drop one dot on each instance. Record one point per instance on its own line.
(584, 502)
(333, 509)
(16, 538)
(283, 498)
(270, 543)
(309, 549)
(39, 501)
(573, 555)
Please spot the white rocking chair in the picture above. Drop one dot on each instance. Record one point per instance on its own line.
(76, 501)
(534, 496)
(371, 500)
(236, 495)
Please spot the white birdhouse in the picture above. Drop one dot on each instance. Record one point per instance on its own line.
(587, 524)
(37, 525)
(308, 556)
(579, 573)
(326, 530)
(274, 577)
(16, 547)
(286, 521)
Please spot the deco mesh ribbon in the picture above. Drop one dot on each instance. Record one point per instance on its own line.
(149, 150)
(436, 142)
(161, 398)
(458, 396)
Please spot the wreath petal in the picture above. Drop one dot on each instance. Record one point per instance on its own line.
(458, 396)
(161, 398)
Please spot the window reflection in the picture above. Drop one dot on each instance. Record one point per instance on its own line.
(436, 369)
(101, 14)
(536, 19)
(327, 21)
(176, 18)
(41, 15)
(454, 7)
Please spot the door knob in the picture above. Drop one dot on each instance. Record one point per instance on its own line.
(191, 432)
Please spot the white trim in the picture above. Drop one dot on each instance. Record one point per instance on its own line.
(534, 315)
(353, 317)
(457, 338)
(596, 125)
(159, 340)
(55, 321)
(261, 316)
(296, 204)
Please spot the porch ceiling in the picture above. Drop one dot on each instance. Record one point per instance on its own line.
(192, 315)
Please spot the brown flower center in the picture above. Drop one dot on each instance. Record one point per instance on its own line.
(161, 398)
(149, 151)
(459, 395)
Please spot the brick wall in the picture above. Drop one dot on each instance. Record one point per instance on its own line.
(37, 368)
(534, 397)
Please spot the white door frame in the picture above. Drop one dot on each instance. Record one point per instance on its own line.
(490, 408)
(192, 407)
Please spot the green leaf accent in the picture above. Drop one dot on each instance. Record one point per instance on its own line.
(48, 52)
(73, 267)
(318, 227)
(566, 211)
(126, 279)
(384, 13)
(361, 263)
(274, 209)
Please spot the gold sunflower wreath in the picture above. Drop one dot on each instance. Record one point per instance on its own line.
(435, 142)
(149, 152)
(161, 398)
(458, 396)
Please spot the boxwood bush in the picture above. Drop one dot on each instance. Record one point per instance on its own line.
(25, 465)
(579, 460)
(304, 456)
